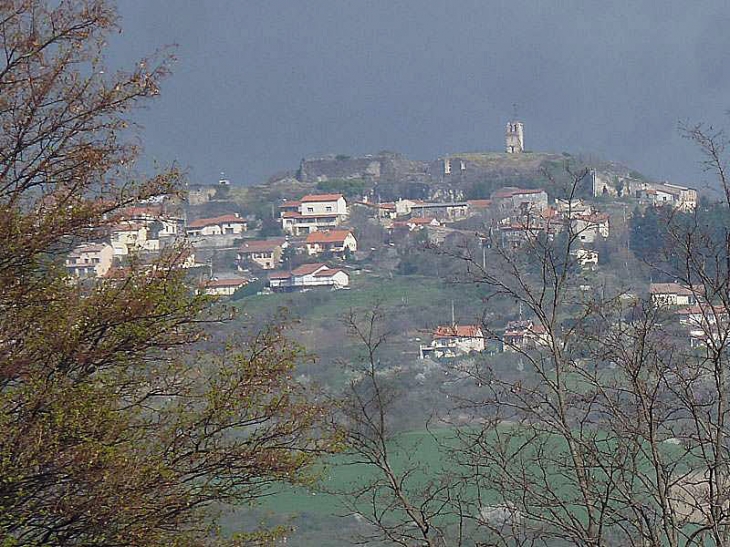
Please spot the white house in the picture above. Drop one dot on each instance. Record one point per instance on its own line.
(679, 197)
(222, 225)
(665, 295)
(524, 335)
(309, 276)
(588, 228)
(511, 200)
(337, 242)
(453, 340)
(586, 258)
(90, 260)
(313, 212)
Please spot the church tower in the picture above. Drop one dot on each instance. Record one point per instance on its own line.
(515, 138)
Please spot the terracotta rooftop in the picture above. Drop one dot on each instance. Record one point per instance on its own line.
(328, 236)
(261, 245)
(460, 331)
(675, 288)
(224, 219)
(480, 203)
(230, 282)
(307, 269)
(421, 221)
(321, 197)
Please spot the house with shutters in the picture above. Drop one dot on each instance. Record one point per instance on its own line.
(313, 212)
(454, 340)
(309, 276)
(263, 253)
(667, 295)
(337, 242)
(524, 335)
(222, 287)
(90, 260)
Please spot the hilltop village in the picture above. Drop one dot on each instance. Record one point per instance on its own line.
(338, 221)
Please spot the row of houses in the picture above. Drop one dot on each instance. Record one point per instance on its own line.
(455, 340)
(267, 253)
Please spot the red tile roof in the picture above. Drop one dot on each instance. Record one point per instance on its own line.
(287, 204)
(480, 203)
(307, 269)
(674, 288)
(224, 219)
(328, 273)
(328, 236)
(321, 197)
(261, 245)
(230, 282)
(460, 331)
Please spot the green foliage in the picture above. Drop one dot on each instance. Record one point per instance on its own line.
(249, 289)
(118, 424)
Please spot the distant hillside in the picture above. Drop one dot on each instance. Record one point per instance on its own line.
(387, 176)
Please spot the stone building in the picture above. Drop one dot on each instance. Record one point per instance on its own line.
(515, 138)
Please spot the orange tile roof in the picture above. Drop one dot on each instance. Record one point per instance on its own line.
(202, 222)
(230, 282)
(321, 197)
(419, 221)
(460, 331)
(675, 288)
(307, 269)
(479, 203)
(328, 236)
(260, 245)
(329, 272)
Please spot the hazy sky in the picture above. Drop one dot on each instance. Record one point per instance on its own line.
(259, 84)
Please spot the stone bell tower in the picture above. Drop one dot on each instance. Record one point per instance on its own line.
(515, 138)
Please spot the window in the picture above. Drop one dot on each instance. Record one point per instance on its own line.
(329, 209)
(310, 209)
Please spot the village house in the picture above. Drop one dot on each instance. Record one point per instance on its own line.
(159, 225)
(337, 242)
(453, 340)
(586, 258)
(512, 200)
(264, 253)
(699, 316)
(524, 335)
(222, 287)
(442, 211)
(131, 235)
(588, 228)
(230, 224)
(312, 213)
(658, 194)
(477, 206)
(381, 210)
(664, 295)
(309, 276)
(90, 260)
